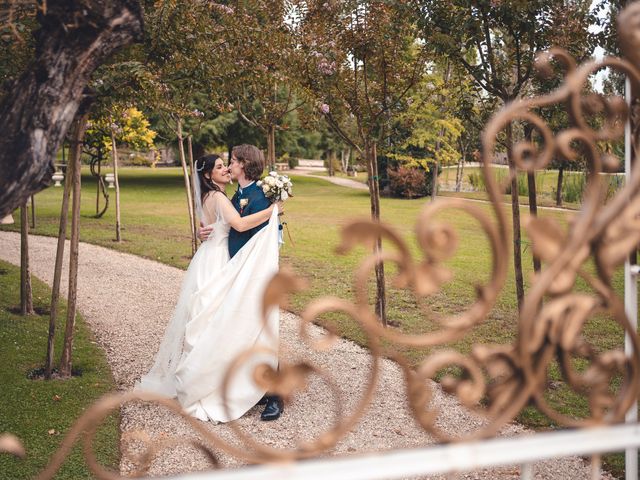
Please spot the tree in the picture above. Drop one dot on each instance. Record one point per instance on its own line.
(74, 38)
(26, 295)
(473, 108)
(74, 162)
(266, 54)
(431, 125)
(363, 62)
(118, 125)
(571, 24)
(185, 46)
(496, 43)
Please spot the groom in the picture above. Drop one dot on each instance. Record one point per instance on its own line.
(246, 166)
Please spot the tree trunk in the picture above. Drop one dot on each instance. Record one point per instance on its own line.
(559, 186)
(515, 212)
(57, 272)
(460, 169)
(533, 210)
(271, 147)
(98, 188)
(533, 195)
(434, 180)
(374, 195)
(26, 295)
(331, 157)
(33, 212)
(436, 166)
(116, 183)
(65, 358)
(73, 40)
(187, 186)
(192, 172)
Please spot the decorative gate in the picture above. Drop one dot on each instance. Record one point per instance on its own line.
(505, 378)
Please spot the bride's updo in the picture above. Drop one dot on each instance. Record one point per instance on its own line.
(205, 165)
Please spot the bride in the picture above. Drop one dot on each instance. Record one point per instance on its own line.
(218, 315)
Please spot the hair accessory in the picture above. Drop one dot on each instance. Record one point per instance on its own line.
(200, 168)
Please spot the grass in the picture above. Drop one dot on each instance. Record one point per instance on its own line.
(546, 183)
(40, 412)
(155, 226)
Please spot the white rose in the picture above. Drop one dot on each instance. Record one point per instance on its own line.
(265, 188)
(284, 195)
(273, 174)
(279, 183)
(270, 181)
(259, 183)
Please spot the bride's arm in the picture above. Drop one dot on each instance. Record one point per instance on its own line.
(239, 223)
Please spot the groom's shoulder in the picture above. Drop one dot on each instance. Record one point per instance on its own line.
(256, 191)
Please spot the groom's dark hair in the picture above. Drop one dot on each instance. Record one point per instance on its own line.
(251, 158)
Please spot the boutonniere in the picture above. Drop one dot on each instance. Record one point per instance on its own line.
(243, 203)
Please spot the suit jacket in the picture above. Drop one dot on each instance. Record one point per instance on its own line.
(256, 203)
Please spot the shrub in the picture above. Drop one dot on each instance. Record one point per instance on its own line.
(502, 174)
(293, 163)
(139, 160)
(337, 166)
(573, 187)
(615, 183)
(523, 185)
(477, 181)
(407, 182)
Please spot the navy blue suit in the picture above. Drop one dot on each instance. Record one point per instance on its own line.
(257, 203)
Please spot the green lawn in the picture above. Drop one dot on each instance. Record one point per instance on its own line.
(40, 412)
(155, 226)
(546, 183)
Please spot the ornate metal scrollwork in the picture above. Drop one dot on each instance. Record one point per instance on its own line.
(504, 378)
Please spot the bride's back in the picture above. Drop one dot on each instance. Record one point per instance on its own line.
(212, 211)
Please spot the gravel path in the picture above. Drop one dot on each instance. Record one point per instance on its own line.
(127, 301)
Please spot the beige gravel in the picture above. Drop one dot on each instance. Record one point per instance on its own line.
(127, 301)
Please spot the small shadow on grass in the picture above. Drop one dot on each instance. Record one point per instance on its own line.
(42, 311)
(38, 373)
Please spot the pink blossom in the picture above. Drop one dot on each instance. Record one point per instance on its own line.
(326, 68)
(223, 8)
(324, 108)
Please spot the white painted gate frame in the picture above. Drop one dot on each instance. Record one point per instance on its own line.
(447, 459)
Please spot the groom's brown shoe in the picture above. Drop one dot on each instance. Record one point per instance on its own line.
(273, 410)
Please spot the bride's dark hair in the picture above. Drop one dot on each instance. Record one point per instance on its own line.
(204, 165)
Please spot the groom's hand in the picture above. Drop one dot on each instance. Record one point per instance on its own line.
(204, 231)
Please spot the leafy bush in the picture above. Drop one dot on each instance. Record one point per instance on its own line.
(293, 162)
(502, 175)
(139, 160)
(523, 186)
(337, 166)
(615, 183)
(407, 182)
(573, 187)
(477, 181)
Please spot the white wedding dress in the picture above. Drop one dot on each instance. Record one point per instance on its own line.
(218, 318)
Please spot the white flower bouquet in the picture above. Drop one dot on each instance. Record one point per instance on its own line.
(276, 187)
